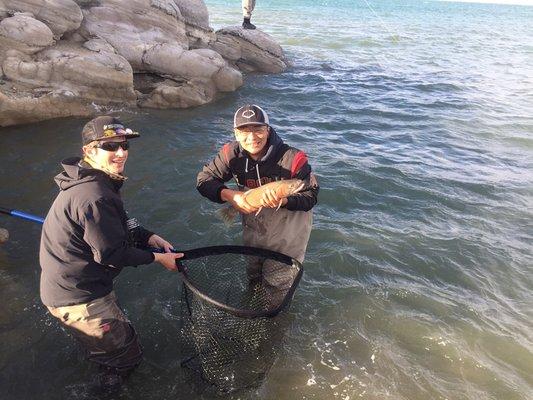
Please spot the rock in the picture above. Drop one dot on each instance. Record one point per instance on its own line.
(204, 70)
(196, 17)
(70, 66)
(59, 15)
(65, 80)
(99, 45)
(4, 235)
(200, 74)
(25, 109)
(171, 94)
(250, 50)
(134, 27)
(194, 12)
(227, 79)
(80, 57)
(3, 10)
(24, 34)
(167, 6)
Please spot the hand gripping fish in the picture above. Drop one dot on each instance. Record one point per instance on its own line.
(253, 197)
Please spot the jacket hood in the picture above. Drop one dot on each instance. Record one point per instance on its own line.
(77, 172)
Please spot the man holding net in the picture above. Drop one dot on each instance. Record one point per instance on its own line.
(85, 243)
(259, 156)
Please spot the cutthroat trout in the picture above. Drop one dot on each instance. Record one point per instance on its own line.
(253, 197)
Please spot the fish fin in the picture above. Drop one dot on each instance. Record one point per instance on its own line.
(279, 205)
(227, 215)
(258, 211)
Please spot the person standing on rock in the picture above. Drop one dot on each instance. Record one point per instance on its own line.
(86, 241)
(247, 9)
(257, 157)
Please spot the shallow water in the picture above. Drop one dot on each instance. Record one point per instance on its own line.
(416, 117)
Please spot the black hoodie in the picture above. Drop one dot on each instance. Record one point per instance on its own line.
(85, 242)
(279, 162)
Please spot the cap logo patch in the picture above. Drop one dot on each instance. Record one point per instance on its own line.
(117, 130)
(110, 133)
(113, 126)
(248, 114)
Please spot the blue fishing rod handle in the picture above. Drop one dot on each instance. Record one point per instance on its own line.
(27, 216)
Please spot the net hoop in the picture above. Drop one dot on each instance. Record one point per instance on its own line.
(247, 250)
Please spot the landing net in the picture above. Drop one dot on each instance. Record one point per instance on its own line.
(233, 315)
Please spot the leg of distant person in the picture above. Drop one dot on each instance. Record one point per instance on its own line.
(247, 9)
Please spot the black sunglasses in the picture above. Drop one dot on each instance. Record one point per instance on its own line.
(113, 146)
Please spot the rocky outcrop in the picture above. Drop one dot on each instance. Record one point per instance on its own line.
(64, 57)
(250, 50)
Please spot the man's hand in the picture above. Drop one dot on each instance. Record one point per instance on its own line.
(237, 200)
(160, 243)
(271, 200)
(168, 260)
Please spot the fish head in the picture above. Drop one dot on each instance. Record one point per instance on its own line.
(293, 186)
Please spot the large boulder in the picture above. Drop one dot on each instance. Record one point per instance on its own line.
(134, 27)
(65, 79)
(59, 15)
(193, 78)
(194, 12)
(250, 50)
(172, 93)
(69, 66)
(196, 18)
(23, 33)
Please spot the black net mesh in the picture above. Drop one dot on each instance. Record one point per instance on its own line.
(233, 315)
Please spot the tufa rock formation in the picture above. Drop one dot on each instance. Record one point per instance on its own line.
(82, 57)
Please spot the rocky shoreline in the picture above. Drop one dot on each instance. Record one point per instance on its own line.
(63, 58)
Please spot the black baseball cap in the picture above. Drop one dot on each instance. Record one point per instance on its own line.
(250, 114)
(104, 127)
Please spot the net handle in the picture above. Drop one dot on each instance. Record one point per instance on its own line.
(247, 250)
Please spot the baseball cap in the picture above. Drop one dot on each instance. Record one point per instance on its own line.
(104, 127)
(250, 114)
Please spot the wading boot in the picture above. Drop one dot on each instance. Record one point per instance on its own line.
(107, 382)
(246, 24)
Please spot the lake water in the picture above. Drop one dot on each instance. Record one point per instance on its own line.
(417, 119)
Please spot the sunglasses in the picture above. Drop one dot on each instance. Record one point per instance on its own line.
(245, 134)
(113, 146)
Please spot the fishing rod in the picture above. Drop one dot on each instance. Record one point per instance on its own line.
(40, 220)
(21, 214)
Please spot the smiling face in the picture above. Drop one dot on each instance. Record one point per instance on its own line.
(107, 160)
(253, 139)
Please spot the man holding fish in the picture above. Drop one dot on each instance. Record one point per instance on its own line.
(276, 210)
